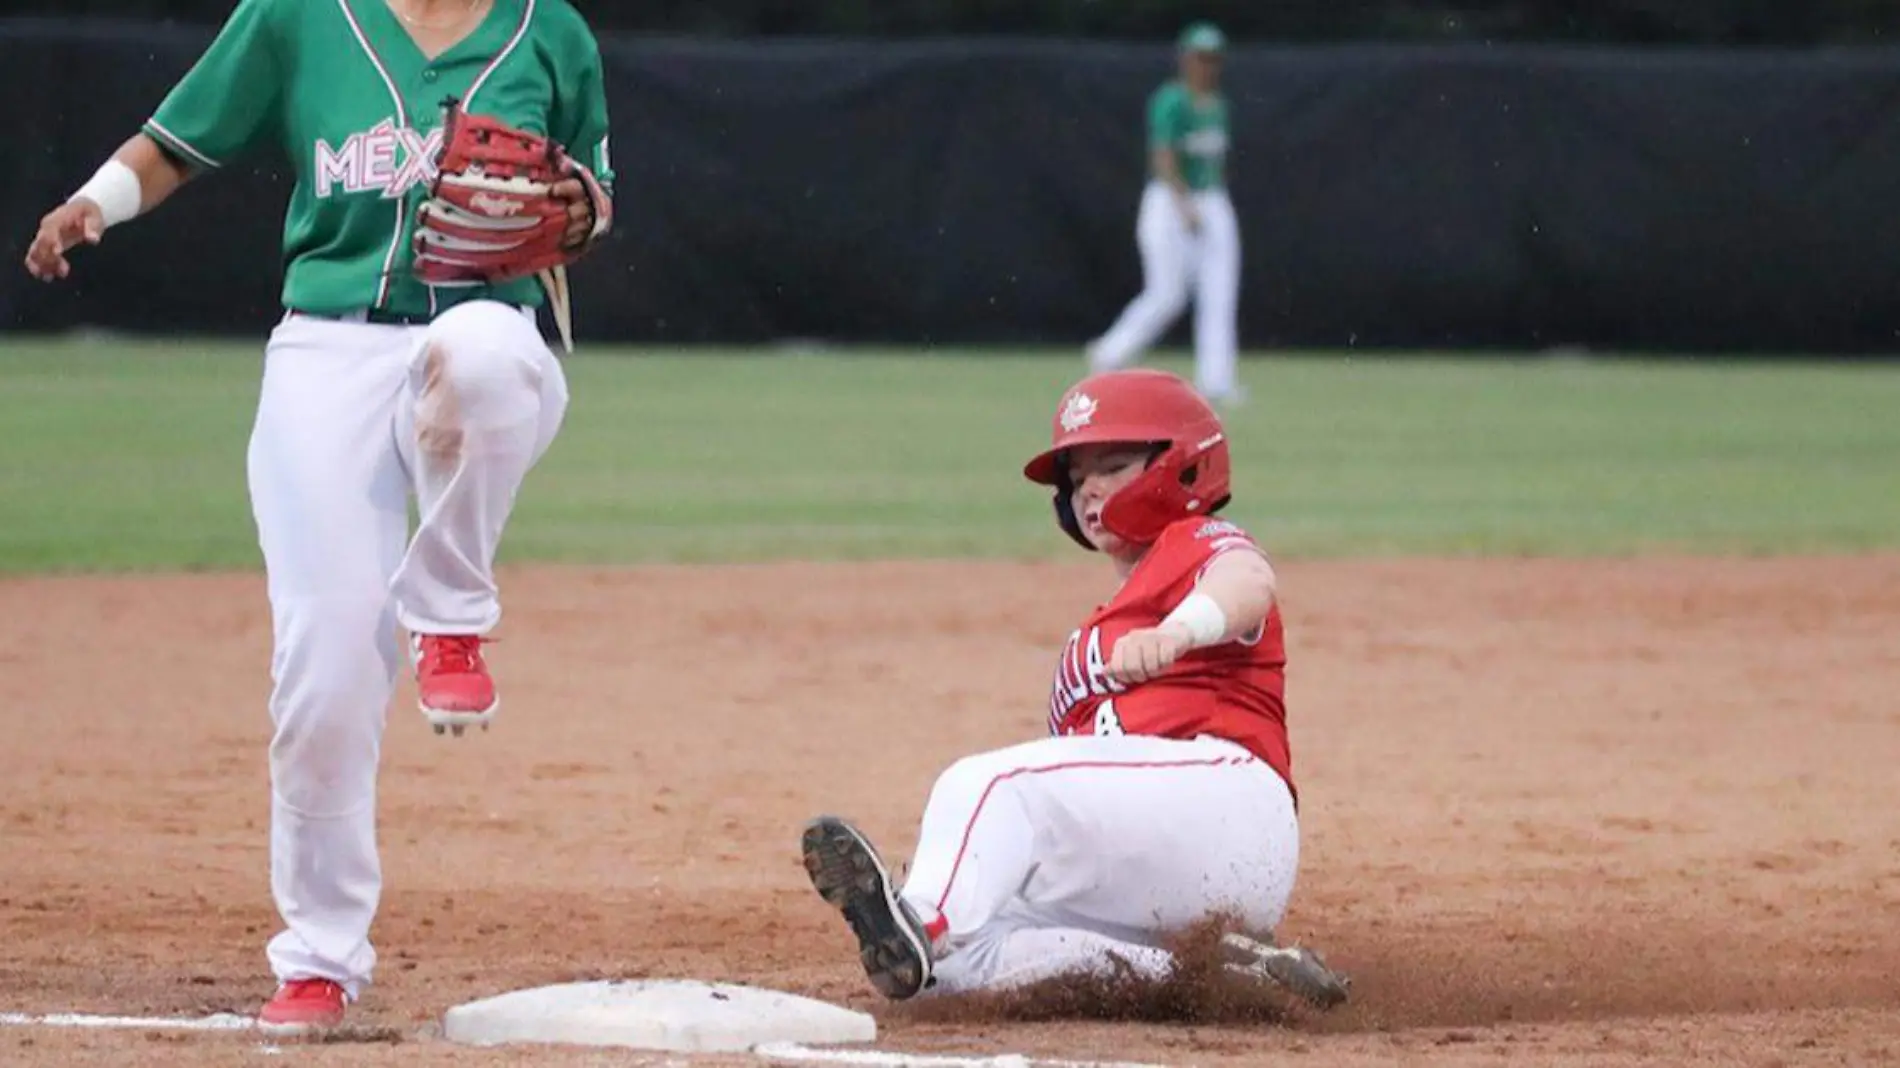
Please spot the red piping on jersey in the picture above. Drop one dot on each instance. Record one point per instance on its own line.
(180, 144)
(970, 827)
(402, 120)
(521, 30)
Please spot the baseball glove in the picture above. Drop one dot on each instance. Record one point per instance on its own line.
(492, 214)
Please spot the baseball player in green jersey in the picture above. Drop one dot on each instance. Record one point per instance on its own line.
(1186, 230)
(377, 387)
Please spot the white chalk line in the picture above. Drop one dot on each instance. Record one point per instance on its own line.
(775, 1051)
(219, 1022)
(797, 1054)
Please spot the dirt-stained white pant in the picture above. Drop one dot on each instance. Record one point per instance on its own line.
(353, 419)
(1061, 855)
(1178, 263)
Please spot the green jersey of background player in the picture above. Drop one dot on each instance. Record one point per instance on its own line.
(1191, 121)
(1186, 230)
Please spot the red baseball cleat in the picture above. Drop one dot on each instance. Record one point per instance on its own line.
(303, 1005)
(452, 682)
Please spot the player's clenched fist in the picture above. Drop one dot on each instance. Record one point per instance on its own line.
(580, 213)
(65, 226)
(1143, 654)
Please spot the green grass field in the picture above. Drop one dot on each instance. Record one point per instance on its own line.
(130, 455)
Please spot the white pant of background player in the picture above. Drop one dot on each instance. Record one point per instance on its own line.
(1178, 264)
(1060, 855)
(353, 419)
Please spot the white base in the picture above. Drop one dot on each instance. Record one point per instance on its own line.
(686, 1016)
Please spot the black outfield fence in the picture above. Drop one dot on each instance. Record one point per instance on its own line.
(982, 191)
(1634, 22)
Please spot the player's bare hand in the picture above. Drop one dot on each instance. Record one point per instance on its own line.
(580, 216)
(1141, 655)
(73, 223)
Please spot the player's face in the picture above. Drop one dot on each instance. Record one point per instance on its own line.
(1097, 471)
(1201, 70)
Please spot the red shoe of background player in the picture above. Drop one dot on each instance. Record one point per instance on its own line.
(452, 682)
(303, 1005)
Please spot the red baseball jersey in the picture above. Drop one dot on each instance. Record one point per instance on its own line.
(1234, 691)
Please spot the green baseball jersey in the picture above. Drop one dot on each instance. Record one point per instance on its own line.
(1195, 130)
(342, 90)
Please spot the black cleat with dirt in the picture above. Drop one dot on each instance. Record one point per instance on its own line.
(848, 873)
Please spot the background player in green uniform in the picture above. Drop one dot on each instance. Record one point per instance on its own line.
(1186, 231)
(376, 388)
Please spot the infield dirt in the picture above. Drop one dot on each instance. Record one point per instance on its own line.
(1555, 812)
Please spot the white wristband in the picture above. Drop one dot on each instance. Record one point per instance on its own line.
(1201, 618)
(115, 188)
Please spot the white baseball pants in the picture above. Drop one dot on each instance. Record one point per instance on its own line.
(354, 419)
(1058, 856)
(1178, 263)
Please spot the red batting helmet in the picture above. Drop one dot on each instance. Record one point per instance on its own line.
(1190, 475)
